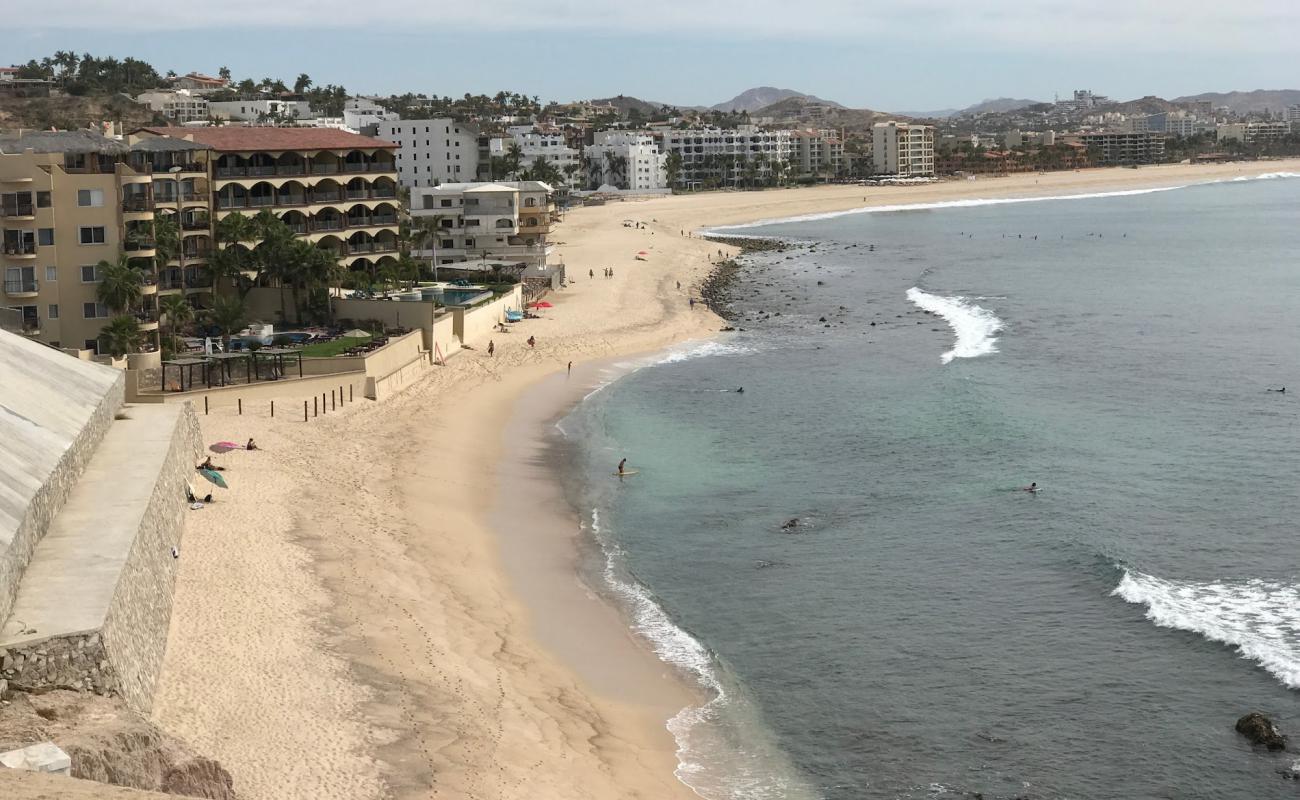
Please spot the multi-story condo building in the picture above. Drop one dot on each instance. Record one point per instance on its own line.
(68, 201)
(431, 151)
(199, 83)
(334, 188)
(902, 149)
(179, 106)
(1253, 132)
(816, 153)
(1017, 138)
(506, 221)
(549, 145)
(625, 160)
(1293, 113)
(1124, 147)
(711, 156)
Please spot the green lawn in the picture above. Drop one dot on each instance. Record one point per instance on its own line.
(334, 348)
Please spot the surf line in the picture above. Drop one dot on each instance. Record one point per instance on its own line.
(974, 326)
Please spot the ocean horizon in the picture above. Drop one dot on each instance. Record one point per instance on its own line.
(842, 555)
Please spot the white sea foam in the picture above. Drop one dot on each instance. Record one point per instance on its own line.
(693, 350)
(1259, 618)
(974, 326)
(976, 202)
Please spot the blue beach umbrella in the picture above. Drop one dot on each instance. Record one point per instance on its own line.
(214, 477)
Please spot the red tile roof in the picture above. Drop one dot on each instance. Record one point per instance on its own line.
(234, 138)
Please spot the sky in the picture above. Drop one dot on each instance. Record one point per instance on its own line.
(903, 55)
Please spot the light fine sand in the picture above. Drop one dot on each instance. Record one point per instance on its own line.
(349, 624)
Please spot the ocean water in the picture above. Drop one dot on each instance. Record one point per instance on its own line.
(927, 628)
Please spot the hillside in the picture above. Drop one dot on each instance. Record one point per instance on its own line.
(997, 105)
(624, 104)
(752, 100)
(1246, 102)
(795, 110)
(1144, 105)
(69, 112)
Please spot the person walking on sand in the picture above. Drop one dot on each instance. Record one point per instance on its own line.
(692, 301)
(591, 273)
(570, 372)
(492, 348)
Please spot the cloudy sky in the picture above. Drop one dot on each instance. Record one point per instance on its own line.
(903, 55)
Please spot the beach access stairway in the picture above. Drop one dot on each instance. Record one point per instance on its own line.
(93, 604)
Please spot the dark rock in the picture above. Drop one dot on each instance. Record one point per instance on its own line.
(1261, 730)
(199, 777)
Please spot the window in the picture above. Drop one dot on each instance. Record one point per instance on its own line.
(45, 236)
(90, 198)
(428, 201)
(90, 274)
(92, 235)
(446, 202)
(469, 242)
(92, 345)
(51, 274)
(94, 310)
(42, 199)
(53, 311)
(447, 243)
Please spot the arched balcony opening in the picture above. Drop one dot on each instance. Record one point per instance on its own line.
(291, 193)
(327, 191)
(232, 196)
(296, 221)
(384, 189)
(261, 165)
(231, 165)
(290, 164)
(261, 195)
(326, 164)
(356, 161)
(327, 219)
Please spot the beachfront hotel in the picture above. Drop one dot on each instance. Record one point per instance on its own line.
(625, 160)
(903, 149)
(816, 152)
(504, 221)
(336, 189)
(1113, 148)
(713, 155)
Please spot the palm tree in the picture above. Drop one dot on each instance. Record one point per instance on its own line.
(407, 269)
(121, 335)
(228, 316)
(514, 158)
(177, 311)
(302, 83)
(673, 168)
(120, 285)
(426, 231)
(167, 239)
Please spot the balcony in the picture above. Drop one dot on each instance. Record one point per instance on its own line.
(136, 204)
(20, 249)
(195, 224)
(318, 225)
(31, 327)
(289, 170)
(261, 171)
(324, 169)
(22, 288)
(138, 246)
(231, 172)
(170, 283)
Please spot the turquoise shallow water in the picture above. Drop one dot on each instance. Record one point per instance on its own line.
(928, 629)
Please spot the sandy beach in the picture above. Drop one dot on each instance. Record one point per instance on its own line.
(386, 602)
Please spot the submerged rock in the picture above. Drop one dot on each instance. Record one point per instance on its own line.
(1261, 730)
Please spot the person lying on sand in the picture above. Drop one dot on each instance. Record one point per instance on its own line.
(207, 464)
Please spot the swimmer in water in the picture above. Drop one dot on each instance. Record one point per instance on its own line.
(1033, 487)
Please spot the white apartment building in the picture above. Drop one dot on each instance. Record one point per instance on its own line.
(1018, 138)
(358, 112)
(899, 148)
(1293, 113)
(260, 110)
(506, 221)
(179, 106)
(432, 151)
(626, 160)
(533, 144)
(723, 157)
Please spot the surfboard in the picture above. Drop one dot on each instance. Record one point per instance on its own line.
(626, 473)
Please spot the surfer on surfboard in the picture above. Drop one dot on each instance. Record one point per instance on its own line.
(621, 465)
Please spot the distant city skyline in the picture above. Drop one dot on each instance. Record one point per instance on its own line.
(926, 55)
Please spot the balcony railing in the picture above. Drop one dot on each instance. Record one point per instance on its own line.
(135, 205)
(231, 172)
(134, 245)
(291, 169)
(20, 248)
(296, 227)
(198, 280)
(324, 169)
(171, 282)
(358, 248)
(146, 315)
(20, 210)
(22, 286)
(195, 224)
(327, 225)
(261, 170)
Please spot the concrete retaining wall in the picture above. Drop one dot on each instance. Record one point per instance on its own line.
(393, 313)
(396, 365)
(443, 341)
(73, 662)
(135, 629)
(473, 326)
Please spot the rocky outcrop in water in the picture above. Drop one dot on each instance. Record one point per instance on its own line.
(1262, 731)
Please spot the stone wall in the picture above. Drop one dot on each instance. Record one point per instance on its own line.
(135, 628)
(473, 326)
(52, 494)
(71, 662)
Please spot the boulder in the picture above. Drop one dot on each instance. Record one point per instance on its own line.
(1261, 730)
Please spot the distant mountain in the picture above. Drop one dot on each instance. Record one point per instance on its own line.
(1244, 102)
(1000, 105)
(624, 104)
(754, 99)
(806, 111)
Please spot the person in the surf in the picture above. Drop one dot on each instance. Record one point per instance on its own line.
(1032, 487)
(621, 466)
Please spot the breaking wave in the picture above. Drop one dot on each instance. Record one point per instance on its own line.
(974, 326)
(1259, 618)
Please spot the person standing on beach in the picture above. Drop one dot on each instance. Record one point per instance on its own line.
(570, 372)
(492, 348)
(532, 342)
(692, 303)
(591, 273)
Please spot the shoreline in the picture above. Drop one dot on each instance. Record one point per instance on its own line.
(357, 575)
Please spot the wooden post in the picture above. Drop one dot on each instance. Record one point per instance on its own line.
(240, 402)
(304, 410)
(322, 403)
(315, 412)
(205, 405)
(332, 405)
(349, 393)
(272, 409)
(340, 394)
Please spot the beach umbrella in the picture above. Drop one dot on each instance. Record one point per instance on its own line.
(225, 447)
(642, 253)
(542, 304)
(356, 333)
(214, 477)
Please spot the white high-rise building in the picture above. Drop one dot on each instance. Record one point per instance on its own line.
(728, 157)
(550, 146)
(625, 160)
(502, 221)
(903, 149)
(432, 151)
